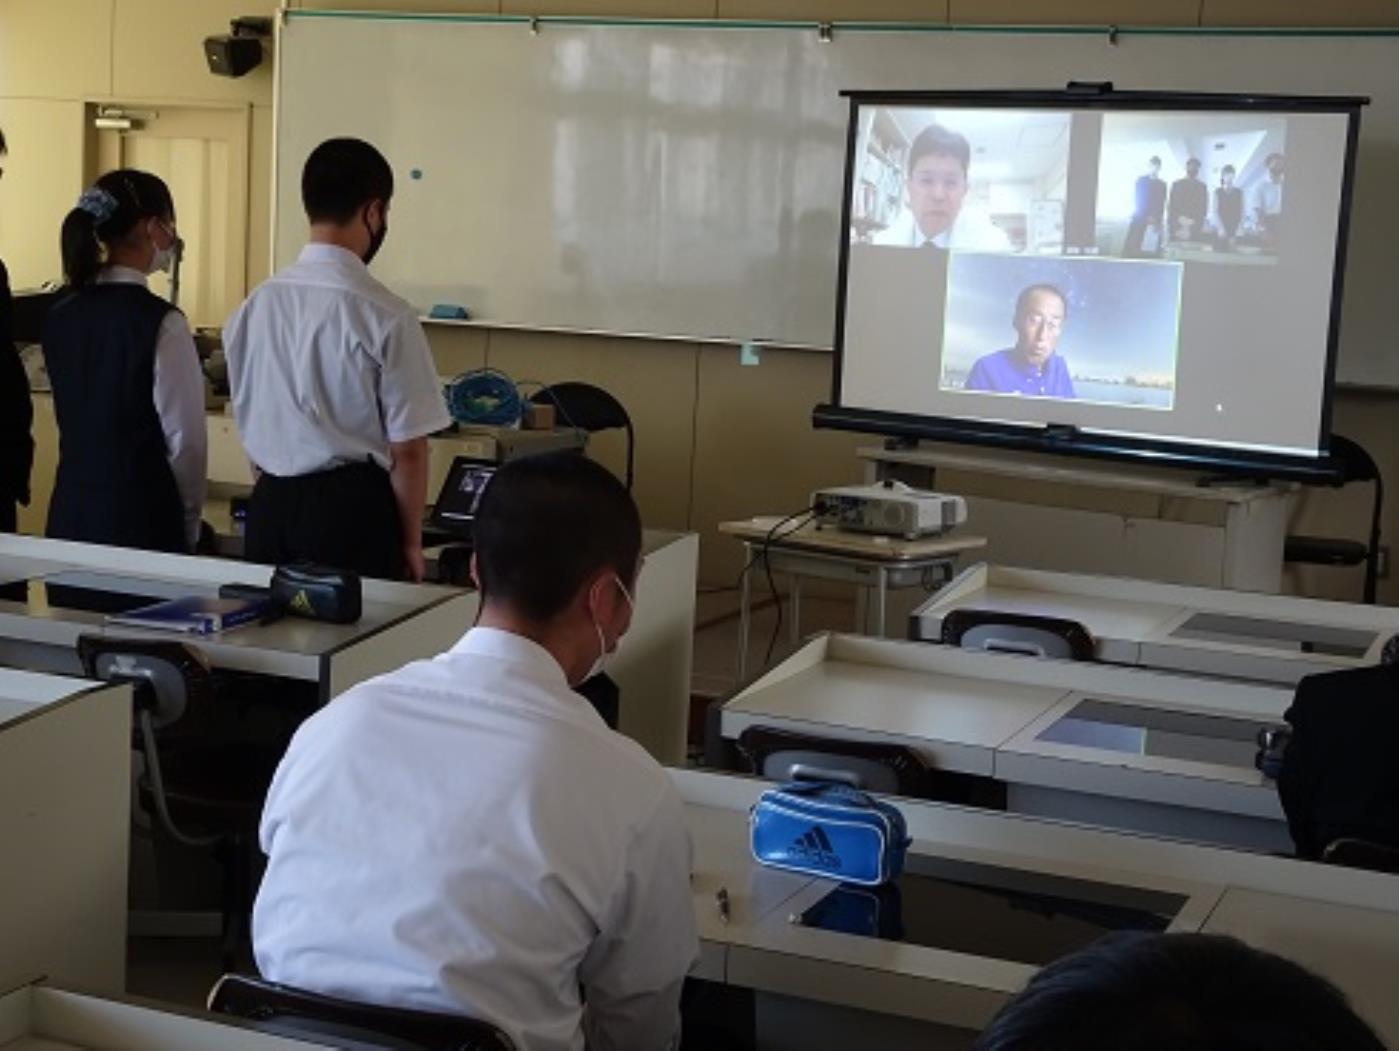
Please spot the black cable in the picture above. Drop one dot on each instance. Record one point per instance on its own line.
(806, 515)
(722, 589)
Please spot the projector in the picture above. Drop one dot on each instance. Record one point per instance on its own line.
(891, 508)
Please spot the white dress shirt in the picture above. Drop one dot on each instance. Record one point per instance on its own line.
(1267, 197)
(179, 402)
(972, 231)
(465, 834)
(327, 367)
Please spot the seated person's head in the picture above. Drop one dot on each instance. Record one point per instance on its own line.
(1173, 992)
(346, 187)
(937, 178)
(558, 549)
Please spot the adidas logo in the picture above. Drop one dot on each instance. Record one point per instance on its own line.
(815, 846)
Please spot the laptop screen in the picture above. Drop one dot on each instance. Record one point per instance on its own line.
(455, 509)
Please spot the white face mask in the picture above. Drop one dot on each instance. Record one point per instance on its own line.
(163, 259)
(603, 651)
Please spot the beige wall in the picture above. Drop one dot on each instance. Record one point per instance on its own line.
(715, 439)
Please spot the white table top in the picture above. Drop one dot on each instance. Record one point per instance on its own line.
(1141, 622)
(984, 713)
(957, 720)
(1342, 922)
(23, 693)
(41, 1018)
(292, 646)
(1213, 785)
(1357, 948)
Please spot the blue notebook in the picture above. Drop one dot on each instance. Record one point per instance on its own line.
(196, 614)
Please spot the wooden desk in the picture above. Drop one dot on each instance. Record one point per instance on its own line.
(1155, 625)
(1079, 515)
(992, 715)
(65, 796)
(867, 561)
(1341, 922)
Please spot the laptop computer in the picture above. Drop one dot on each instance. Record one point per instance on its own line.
(454, 512)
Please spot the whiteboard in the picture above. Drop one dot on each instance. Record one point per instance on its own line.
(685, 180)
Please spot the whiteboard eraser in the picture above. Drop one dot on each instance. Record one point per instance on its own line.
(449, 312)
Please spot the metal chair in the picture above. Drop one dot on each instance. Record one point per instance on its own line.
(780, 755)
(291, 1012)
(1026, 633)
(591, 409)
(203, 792)
(871, 766)
(1357, 465)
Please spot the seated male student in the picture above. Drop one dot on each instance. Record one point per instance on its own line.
(465, 834)
(1176, 992)
(1031, 366)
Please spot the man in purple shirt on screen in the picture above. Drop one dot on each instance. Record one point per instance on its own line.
(1031, 366)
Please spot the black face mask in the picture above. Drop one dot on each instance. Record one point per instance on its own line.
(376, 238)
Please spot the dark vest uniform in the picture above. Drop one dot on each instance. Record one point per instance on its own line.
(16, 415)
(114, 482)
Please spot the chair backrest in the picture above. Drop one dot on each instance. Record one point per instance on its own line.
(1026, 633)
(781, 755)
(169, 676)
(293, 1012)
(1339, 777)
(589, 408)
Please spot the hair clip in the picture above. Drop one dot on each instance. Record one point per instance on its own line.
(98, 203)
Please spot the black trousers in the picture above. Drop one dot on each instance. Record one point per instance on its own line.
(9, 514)
(345, 517)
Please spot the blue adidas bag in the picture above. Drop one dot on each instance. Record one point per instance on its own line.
(828, 830)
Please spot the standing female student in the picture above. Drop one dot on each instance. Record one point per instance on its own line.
(127, 387)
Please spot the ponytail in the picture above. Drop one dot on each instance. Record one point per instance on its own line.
(82, 254)
(105, 213)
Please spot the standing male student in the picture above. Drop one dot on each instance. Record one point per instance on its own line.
(1148, 212)
(333, 385)
(465, 834)
(1187, 205)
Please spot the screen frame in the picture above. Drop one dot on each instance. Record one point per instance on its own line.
(1071, 441)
